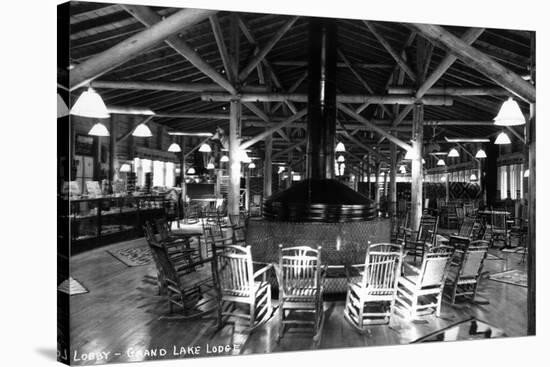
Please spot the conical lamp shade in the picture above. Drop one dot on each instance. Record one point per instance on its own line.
(502, 139)
(224, 158)
(142, 131)
(125, 167)
(252, 165)
(473, 177)
(90, 104)
(453, 153)
(341, 159)
(481, 154)
(174, 147)
(440, 162)
(205, 148)
(510, 114)
(340, 147)
(98, 130)
(210, 166)
(191, 171)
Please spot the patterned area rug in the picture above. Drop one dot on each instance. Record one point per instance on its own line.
(515, 277)
(133, 256)
(72, 286)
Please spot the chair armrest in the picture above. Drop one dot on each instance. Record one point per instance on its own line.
(262, 271)
(352, 271)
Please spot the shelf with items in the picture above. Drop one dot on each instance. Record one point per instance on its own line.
(94, 222)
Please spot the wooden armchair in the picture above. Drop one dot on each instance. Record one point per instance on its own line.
(191, 292)
(301, 278)
(237, 284)
(180, 252)
(416, 243)
(466, 227)
(419, 290)
(499, 228)
(372, 300)
(465, 270)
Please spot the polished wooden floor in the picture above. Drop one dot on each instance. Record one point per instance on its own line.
(121, 316)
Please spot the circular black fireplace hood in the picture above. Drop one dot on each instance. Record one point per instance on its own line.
(319, 200)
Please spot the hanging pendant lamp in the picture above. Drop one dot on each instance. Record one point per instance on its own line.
(174, 148)
(481, 154)
(142, 131)
(90, 104)
(502, 139)
(453, 153)
(509, 114)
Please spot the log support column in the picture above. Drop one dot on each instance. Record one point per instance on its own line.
(393, 180)
(376, 186)
(416, 169)
(233, 198)
(268, 167)
(113, 162)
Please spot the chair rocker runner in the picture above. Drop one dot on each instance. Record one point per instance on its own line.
(419, 290)
(191, 292)
(237, 285)
(465, 270)
(372, 300)
(301, 281)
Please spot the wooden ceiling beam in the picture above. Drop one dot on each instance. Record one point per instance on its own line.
(452, 91)
(358, 65)
(170, 86)
(342, 98)
(133, 46)
(478, 60)
(402, 64)
(265, 50)
(222, 48)
(150, 18)
(377, 129)
(360, 78)
(271, 130)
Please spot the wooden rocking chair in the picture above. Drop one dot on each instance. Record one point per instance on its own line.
(465, 270)
(191, 292)
(372, 300)
(301, 279)
(237, 284)
(416, 243)
(420, 289)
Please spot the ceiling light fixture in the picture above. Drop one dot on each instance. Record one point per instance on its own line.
(224, 158)
(510, 114)
(440, 162)
(481, 154)
(453, 153)
(174, 148)
(340, 147)
(502, 139)
(191, 171)
(90, 104)
(98, 130)
(125, 167)
(142, 131)
(205, 148)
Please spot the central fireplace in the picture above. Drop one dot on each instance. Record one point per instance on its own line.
(320, 211)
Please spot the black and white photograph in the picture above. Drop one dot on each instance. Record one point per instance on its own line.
(235, 180)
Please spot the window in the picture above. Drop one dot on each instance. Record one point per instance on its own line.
(510, 181)
(163, 172)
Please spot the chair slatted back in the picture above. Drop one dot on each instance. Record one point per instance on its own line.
(382, 266)
(299, 270)
(428, 228)
(234, 271)
(435, 265)
(467, 227)
(160, 256)
(469, 209)
(499, 220)
(162, 228)
(473, 258)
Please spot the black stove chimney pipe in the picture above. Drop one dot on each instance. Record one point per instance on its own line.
(321, 123)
